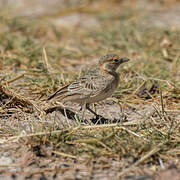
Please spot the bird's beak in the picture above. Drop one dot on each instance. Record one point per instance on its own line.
(124, 59)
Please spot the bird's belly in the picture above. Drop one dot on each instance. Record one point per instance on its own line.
(92, 99)
(100, 97)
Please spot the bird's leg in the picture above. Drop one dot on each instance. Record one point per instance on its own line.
(88, 108)
(65, 114)
(83, 108)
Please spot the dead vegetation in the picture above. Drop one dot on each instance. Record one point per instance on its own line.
(140, 131)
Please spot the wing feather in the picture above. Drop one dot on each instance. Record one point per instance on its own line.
(86, 86)
(59, 92)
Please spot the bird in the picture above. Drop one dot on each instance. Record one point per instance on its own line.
(94, 86)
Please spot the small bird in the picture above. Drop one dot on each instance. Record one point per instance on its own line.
(95, 86)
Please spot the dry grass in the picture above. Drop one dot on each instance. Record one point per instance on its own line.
(36, 57)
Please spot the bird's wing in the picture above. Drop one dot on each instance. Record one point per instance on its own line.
(59, 92)
(88, 85)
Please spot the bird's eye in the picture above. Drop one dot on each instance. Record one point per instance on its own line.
(116, 60)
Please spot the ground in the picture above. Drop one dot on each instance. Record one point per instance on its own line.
(47, 44)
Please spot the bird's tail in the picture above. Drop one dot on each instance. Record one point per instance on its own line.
(59, 94)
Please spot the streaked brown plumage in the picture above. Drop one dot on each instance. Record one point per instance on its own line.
(95, 86)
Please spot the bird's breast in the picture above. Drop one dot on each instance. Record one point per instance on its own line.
(107, 92)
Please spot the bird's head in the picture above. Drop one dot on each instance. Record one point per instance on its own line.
(111, 62)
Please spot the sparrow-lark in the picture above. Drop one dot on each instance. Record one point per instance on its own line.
(95, 86)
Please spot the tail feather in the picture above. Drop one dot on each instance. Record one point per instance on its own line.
(59, 93)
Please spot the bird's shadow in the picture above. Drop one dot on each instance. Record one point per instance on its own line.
(71, 115)
(102, 120)
(65, 112)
